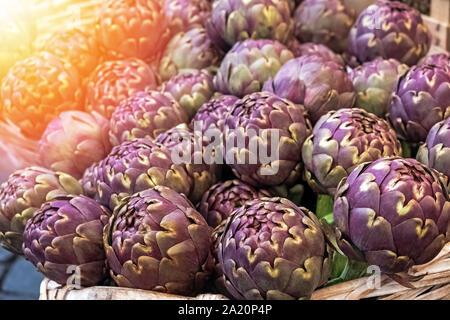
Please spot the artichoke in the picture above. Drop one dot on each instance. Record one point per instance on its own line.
(272, 249)
(114, 81)
(145, 115)
(420, 101)
(248, 64)
(188, 50)
(156, 240)
(186, 14)
(74, 141)
(76, 46)
(324, 21)
(375, 82)
(67, 232)
(301, 49)
(233, 21)
(441, 60)
(38, 89)
(341, 140)
(320, 85)
(265, 121)
(435, 152)
(399, 213)
(190, 152)
(133, 29)
(191, 89)
(222, 199)
(212, 114)
(24, 193)
(131, 167)
(390, 29)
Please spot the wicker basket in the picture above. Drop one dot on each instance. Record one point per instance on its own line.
(435, 285)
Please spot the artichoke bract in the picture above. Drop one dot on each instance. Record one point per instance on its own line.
(302, 49)
(319, 84)
(327, 22)
(341, 140)
(249, 64)
(186, 14)
(233, 21)
(74, 141)
(222, 199)
(390, 29)
(212, 114)
(156, 240)
(263, 138)
(190, 152)
(375, 82)
(131, 167)
(132, 29)
(420, 101)
(38, 89)
(76, 46)
(64, 240)
(114, 81)
(272, 249)
(188, 50)
(435, 152)
(145, 115)
(24, 193)
(441, 60)
(190, 89)
(393, 213)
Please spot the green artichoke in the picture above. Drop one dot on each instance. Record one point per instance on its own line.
(155, 240)
(191, 49)
(375, 82)
(249, 64)
(272, 249)
(65, 237)
(392, 213)
(24, 193)
(341, 140)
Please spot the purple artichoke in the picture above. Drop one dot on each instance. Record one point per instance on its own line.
(420, 101)
(157, 241)
(232, 21)
(393, 213)
(390, 29)
(435, 153)
(302, 49)
(190, 89)
(74, 141)
(324, 21)
(24, 193)
(189, 50)
(375, 82)
(193, 155)
(342, 140)
(145, 115)
(114, 81)
(131, 167)
(223, 198)
(132, 29)
(212, 114)
(272, 249)
(441, 60)
(320, 85)
(186, 14)
(260, 122)
(67, 232)
(249, 64)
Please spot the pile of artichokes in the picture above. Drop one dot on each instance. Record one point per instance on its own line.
(245, 148)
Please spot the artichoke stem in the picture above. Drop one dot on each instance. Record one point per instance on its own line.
(344, 269)
(406, 149)
(324, 208)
